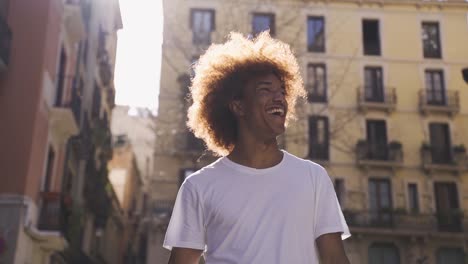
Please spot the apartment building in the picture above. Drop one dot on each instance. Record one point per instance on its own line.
(385, 114)
(56, 66)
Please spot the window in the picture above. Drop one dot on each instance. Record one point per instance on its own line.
(202, 23)
(262, 22)
(377, 140)
(371, 37)
(317, 83)
(316, 34)
(439, 135)
(450, 255)
(435, 88)
(339, 190)
(318, 138)
(447, 206)
(380, 202)
(49, 169)
(431, 40)
(61, 78)
(384, 253)
(413, 198)
(373, 84)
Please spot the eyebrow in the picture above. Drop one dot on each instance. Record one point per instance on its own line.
(264, 82)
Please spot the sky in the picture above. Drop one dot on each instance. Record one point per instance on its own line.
(137, 68)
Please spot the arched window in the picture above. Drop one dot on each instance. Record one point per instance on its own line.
(450, 255)
(384, 253)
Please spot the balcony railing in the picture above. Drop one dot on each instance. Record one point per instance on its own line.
(51, 217)
(368, 100)
(451, 159)
(379, 155)
(445, 102)
(403, 223)
(319, 152)
(5, 43)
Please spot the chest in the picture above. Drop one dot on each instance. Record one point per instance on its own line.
(245, 204)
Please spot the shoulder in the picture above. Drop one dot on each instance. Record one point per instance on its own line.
(205, 175)
(314, 170)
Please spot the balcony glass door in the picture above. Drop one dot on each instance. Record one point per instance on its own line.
(377, 140)
(435, 90)
(447, 205)
(440, 143)
(380, 202)
(373, 88)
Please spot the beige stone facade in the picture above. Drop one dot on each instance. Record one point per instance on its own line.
(386, 114)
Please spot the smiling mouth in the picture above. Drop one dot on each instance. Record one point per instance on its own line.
(277, 111)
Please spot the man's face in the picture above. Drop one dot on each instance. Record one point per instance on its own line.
(264, 106)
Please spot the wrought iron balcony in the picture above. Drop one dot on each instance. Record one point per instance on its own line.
(51, 217)
(442, 102)
(400, 223)
(5, 43)
(368, 99)
(379, 155)
(450, 159)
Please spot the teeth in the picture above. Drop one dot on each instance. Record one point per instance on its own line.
(275, 111)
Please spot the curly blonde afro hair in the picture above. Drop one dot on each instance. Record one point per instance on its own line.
(220, 75)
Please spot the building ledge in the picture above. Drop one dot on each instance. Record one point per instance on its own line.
(385, 164)
(50, 240)
(439, 109)
(452, 168)
(369, 106)
(62, 124)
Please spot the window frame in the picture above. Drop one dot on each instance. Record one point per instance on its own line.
(431, 54)
(313, 47)
(417, 208)
(324, 152)
(315, 98)
(378, 50)
(272, 24)
(212, 13)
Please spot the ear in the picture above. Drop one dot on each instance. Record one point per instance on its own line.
(236, 108)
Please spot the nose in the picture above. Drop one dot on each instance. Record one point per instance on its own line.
(279, 96)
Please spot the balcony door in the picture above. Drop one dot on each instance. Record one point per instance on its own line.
(447, 205)
(440, 143)
(435, 88)
(380, 202)
(318, 138)
(377, 139)
(373, 84)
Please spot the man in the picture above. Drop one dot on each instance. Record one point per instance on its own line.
(257, 203)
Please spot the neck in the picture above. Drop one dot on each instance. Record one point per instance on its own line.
(259, 154)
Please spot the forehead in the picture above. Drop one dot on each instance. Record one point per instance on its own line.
(264, 79)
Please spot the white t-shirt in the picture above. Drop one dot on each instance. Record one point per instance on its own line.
(239, 214)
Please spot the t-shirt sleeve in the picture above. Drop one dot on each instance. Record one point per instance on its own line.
(328, 215)
(186, 228)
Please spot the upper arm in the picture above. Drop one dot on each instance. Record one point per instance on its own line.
(331, 250)
(185, 256)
